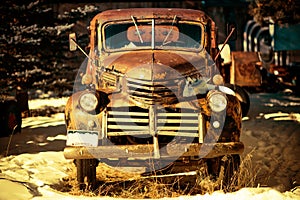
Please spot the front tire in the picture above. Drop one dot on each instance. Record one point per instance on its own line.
(222, 169)
(229, 165)
(86, 173)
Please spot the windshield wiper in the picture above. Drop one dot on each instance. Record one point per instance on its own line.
(171, 29)
(137, 29)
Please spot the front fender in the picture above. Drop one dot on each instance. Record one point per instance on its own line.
(78, 119)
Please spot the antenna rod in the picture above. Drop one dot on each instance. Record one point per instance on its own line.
(231, 32)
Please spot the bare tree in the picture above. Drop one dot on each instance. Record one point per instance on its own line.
(280, 11)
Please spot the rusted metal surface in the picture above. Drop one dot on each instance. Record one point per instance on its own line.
(181, 61)
(146, 151)
(144, 13)
(233, 123)
(159, 75)
(243, 71)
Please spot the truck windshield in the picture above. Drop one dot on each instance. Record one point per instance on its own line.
(134, 35)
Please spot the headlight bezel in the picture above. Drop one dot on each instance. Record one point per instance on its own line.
(217, 101)
(88, 101)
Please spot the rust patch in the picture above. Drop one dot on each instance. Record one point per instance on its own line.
(243, 70)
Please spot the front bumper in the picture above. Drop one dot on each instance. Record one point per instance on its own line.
(146, 151)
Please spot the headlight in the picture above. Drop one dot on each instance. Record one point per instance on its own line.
(218, 80)
(88, 102)
(217, 101)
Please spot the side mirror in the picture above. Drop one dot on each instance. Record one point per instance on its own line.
(225, 53)
(72, 42)
(231, 28)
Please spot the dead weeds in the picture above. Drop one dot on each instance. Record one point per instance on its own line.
(152, 187)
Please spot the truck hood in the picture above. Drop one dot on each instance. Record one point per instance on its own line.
(156, 65)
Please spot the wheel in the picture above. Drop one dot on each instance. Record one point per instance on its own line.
(223, 168)
(86, 173)
(229, 165)
(242, 96)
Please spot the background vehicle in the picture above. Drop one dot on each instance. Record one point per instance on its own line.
(270, 57)
(152, 91)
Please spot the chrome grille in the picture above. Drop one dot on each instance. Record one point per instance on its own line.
(135, 121)
(151, 92)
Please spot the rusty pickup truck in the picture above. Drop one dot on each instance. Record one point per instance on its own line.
(151, 91)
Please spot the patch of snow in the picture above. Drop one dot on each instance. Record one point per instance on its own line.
(243, 194)
(284, 102)
(13, 190)
(40, 103)
(58, 137)
(283, 116)
(42, 121)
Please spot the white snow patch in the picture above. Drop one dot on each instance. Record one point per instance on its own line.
(40, 103)
(283, 116)
(42, 121)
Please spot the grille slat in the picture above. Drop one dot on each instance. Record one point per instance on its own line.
(175, 128)
(176, 121)
(132, 133)
(154, 94)
(127, 127)
(154, 82)
(156, 88)
(127, 113)
(183, 134)
(151, 92)
(115, 119)
(188, 113)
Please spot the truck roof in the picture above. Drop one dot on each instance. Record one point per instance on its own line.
(144, 13)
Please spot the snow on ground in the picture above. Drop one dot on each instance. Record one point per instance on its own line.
(28, 176)
(32, 162)
(43, 121)
(40, 103)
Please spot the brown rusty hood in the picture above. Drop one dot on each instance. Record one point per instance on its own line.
(156, 64)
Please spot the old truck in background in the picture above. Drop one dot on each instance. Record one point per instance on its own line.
(152, 91)
(270, 60)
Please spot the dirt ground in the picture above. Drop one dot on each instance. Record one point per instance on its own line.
(271, 134)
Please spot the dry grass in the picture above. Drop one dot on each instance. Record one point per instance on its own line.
(143, 188)
(246, 176)
(152, 187)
